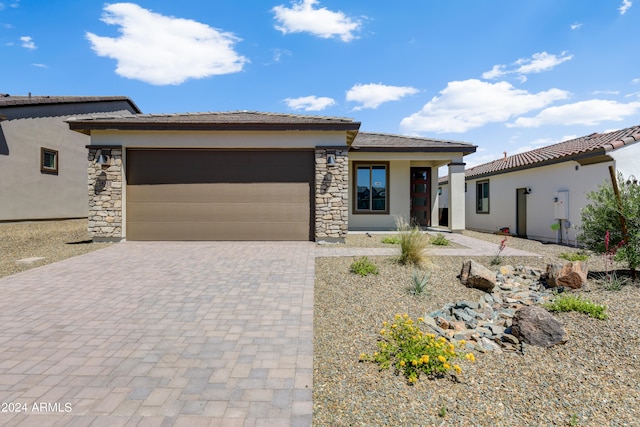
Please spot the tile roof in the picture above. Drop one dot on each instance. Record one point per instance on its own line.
(366, 141)
(7, 101)
(578, 148)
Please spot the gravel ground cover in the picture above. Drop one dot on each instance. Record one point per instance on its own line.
(374, 240)
(592, 380)
(53, 240)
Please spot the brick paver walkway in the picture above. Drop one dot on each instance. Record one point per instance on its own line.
(144, 334)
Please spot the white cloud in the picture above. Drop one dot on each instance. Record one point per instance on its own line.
(576, 25)
(40, 65)
(626, 4)
(635, 81)
(27, 42)
(278, 54)
(469, 104)
(321, 22)
(374, 94)
(164, 50)
(310, 103)
(539, 62)
(587, 113)
(537, 143)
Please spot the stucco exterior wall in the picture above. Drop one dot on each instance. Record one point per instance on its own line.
(26, 192)
(399, 187)
(544, 182)
(626, 159)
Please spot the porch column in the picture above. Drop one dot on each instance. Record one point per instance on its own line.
(332, 194)
(456, 197)
(105, 193)
(435, 209)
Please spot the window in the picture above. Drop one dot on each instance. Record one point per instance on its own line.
(371, 188)
(48, 161)
(482, 197)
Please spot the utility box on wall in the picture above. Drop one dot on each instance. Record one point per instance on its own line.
(561, 205)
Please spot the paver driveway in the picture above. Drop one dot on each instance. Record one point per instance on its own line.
(194, 333)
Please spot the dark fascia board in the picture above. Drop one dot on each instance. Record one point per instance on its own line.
(464, 150)
(88, 126)
(112, 147)
(581, 159)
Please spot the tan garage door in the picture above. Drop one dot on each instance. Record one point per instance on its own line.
(219, 195)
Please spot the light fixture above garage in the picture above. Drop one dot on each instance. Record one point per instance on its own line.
(102, 160)
(331, 159)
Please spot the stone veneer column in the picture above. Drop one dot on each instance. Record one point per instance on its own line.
(332, 195)
(105, 194)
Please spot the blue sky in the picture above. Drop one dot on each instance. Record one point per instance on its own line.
(504, 75)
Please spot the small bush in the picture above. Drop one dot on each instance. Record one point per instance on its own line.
(413, 243)
(567, 302)
(413, 352)
(391, 240)
(419, 284)
(364, 267)
(574, 256)
(612, 282)
(440, 240)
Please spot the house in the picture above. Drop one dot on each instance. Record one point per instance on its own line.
(539, 194)
(42, 163)
(259, 176)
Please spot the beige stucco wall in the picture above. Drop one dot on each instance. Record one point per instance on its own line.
(219, 139)
(545, 182)
(399, 187)
(26, 193)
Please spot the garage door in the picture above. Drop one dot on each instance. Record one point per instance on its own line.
(219, 195)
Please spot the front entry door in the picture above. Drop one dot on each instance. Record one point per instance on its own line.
(421, 196)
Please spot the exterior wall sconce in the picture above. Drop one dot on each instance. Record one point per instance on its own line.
(103, 160)
(331, 159)
(527, 190)
(631, 179)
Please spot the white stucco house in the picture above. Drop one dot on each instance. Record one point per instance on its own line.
(260, 176)
(539, 194)
(43, 165)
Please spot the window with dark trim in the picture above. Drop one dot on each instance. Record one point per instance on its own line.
(371, 188)
(48, 161)
(482, 197)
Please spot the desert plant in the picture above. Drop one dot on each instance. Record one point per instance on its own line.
(568, 302)
(391, 240)
(497, 259)
(443, 410)
(610, 281)
(607, 213)
(412, 352)
(574, 256)
(363, 266)
(440, 240)
(419, 284)
(413, 243)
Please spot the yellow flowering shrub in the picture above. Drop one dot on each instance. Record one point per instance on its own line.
(413, 352)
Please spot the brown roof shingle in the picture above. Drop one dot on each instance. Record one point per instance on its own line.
(7, 101)
(589, 145)
(366, 141)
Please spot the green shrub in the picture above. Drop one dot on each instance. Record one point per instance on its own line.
(413, 243)
(419, 284)
(363, 267)
(412, 352)
(568, 302)
(391, 240)
(440, 240)
(574, 256)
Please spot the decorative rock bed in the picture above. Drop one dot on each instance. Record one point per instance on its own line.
(486, 325)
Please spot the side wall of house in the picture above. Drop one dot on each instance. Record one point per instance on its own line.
(545, 182)
(26, 192)
(627, 160)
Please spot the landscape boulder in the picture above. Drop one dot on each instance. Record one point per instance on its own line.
(474, 275)
(535, 326)
(570, 275)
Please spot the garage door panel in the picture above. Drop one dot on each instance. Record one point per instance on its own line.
(216, 231)
(203, 212)
(219, 193)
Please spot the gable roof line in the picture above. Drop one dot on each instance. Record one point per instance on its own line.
(384, 142)
(589, 146)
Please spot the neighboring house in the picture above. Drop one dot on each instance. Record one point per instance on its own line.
(43, 165)
(259, 176)
(539, 194)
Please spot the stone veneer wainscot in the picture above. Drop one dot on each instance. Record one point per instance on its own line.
(105, 194)
(332, 192)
